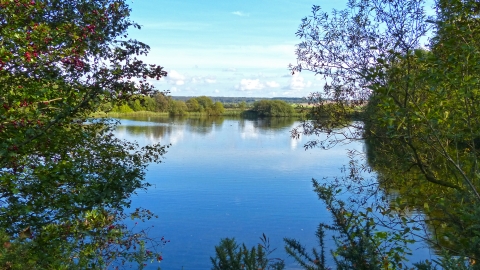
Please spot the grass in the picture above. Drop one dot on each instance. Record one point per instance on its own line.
(139, 113)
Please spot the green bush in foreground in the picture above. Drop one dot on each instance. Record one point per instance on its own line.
(231, 256)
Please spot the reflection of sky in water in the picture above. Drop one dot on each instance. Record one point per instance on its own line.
(294, 143)
(248, 130)
(231, 178)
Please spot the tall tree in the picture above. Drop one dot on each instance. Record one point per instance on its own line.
(421, 106)
(65, 180)
(351, 49)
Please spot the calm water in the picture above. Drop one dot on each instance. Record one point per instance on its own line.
(231, 178)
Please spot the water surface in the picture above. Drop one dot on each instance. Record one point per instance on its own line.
(231, 178)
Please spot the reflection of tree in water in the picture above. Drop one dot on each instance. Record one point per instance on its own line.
(146, 118)
(155, 132)
(204, 125)
(268, 123)
(201, 125)
(408, 193)
(274, 123)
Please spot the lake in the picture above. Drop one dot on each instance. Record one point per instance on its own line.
(231, 178)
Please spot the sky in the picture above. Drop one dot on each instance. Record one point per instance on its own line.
(226, 48)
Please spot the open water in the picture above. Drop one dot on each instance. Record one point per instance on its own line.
(231, 178)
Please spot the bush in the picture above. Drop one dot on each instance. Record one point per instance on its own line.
(231, 256)
(269, 108)
(124, 108)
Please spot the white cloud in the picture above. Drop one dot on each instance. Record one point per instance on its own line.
(229, 69)
(177, 136)
(175, 78)
(249, 131)
(195, 80)
(174, 75)
(202, 80)
(178, 79)
(210, 80)
(240, 13)
(255, 84)
(272, 84)
(249, 85)
(297, 82)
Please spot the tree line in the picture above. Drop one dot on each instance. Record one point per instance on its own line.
(159, 102)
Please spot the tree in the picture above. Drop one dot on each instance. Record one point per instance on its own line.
(216, 109)
(351, 50)
(124, 108)
(136, 105)
(66, 180)
(149, 103)
(193, 105)
(272, 108)
(162, 102)
(431, 124)
(420, 107)
(242, 105)
(359, 245)
(177, 107)
(204, 102)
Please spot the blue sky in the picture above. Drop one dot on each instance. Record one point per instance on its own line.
(226, 48)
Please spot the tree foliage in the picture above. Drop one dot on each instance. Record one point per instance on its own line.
(161, 102)
(204, 104)
(231, 256)
(65, 179)
(359, 244)
(272, 108)
(351, 49)
(420, 103)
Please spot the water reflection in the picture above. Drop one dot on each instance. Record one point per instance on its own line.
(410, 194)
(154, 132)
(275, 123)
(154, 129)
(230, 177)
(204, 125)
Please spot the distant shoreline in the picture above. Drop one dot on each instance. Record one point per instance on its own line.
(227, 113)
(246, 99)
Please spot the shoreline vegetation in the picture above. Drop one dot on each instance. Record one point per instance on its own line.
(203, 106)
(162, 105)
